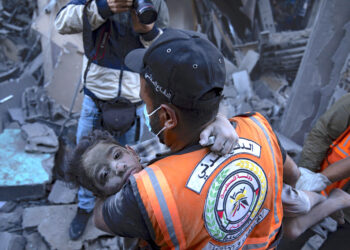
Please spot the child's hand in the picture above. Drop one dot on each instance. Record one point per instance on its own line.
(225, 136)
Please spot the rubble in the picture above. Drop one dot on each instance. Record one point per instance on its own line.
(61, 193)
(48, 218)
(288, 61)
(325, 56)
(12, 241)
(40, 138)
(282, 52)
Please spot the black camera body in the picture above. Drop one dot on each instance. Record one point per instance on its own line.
(145, 11)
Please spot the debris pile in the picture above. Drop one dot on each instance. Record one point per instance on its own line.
(288, 60)
(20, 45)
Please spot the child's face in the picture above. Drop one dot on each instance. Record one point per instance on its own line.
(109, 165)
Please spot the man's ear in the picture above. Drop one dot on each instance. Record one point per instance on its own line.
(130, 149)
(168, 116)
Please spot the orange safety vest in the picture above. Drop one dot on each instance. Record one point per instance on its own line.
(201, 200)
(339, 150)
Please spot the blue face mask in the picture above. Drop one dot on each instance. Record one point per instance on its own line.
(147, 121)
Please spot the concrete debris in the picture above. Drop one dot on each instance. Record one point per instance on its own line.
(40, 138)
(16, 114)
(67, 75)
(5, 99)
(266, 16)
(321, 66)
(288, 60)
(38, 106)
(249, 61)
(282, 52)
(242, 84)
(48, 218)
(35, 104)
(35, 241)
(11, 241)
(7, 206)
(11, 222)
(61, 193)
(15, 88)
(343, 86)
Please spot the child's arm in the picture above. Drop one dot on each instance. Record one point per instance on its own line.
(223, 133)
(291, 172)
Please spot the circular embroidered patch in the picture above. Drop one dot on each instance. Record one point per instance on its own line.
(234, 199)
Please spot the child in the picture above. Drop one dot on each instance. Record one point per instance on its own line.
(102, 165)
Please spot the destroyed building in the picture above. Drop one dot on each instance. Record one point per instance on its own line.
(289, 60)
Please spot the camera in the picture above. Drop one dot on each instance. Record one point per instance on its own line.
(145, 11)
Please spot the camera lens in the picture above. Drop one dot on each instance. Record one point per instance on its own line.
(145, 11)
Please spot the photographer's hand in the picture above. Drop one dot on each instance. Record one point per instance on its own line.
(138, 26)
(118, 6)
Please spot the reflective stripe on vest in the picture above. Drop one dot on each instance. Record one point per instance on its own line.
(339, 150)
(274, 165)
(163, 200)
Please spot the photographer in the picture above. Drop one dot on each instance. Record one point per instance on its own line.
(110, 29)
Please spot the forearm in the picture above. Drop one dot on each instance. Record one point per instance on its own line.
(70, 19)
(98, 216)
(338, 171)
(291, 172)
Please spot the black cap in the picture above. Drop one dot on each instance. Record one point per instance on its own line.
(181, 65)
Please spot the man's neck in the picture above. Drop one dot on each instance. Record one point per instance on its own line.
(179, 141)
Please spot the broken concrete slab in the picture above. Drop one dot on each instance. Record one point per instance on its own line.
(35, 104)
(283, 51)
(35, 241)
(343, 86)
(44, 24)
(49, 218)
(48, 164)
(21, 175)
(40, 138)
(11, 222)
(241, 81)
(16, 115)
(11, 241)
(266, 16)
(320, 69)
(249, 61)
(15, 88)
(61, 193)
(7, 206)
(67, 77)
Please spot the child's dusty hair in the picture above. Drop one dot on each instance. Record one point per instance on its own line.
(73, 171)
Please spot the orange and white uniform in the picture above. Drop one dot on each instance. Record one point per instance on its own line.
(200, 200)
(339, 150)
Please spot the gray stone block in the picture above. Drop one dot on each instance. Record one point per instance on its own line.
(40, 138)
(11, 222)
(49, 218)
(61, 193)
(35, 241)
(12, 241)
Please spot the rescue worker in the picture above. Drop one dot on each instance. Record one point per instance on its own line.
(193, 198)
(331, 134)
(326, 151)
